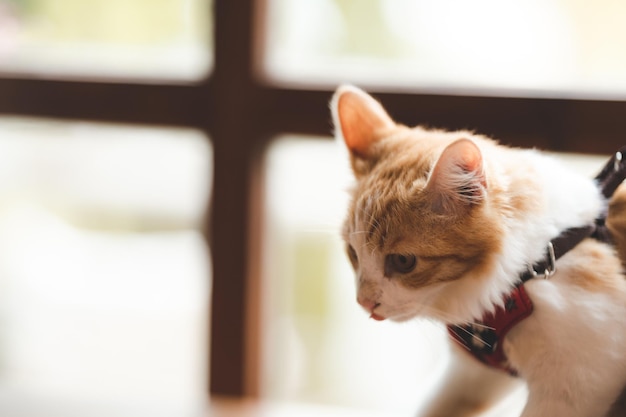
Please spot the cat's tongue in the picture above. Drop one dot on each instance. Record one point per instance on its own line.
(377, 317)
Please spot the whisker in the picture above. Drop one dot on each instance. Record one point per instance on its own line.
(358, 233)
(373, 223)
(368, 246)
(437, 314)
(331, 230)
(444, 330)
(458, 342)
(481, 325)
(474, 336)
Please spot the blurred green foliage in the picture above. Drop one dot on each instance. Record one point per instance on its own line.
(115, 21)
(21, 4)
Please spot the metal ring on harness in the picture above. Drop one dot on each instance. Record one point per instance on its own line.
(550, 268)
(618, 161)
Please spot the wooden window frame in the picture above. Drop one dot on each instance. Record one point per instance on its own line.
(241, 114)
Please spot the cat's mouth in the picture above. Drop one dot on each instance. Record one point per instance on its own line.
(377, 317)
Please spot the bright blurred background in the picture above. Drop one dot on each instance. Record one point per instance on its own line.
(536, 47)
(139, 39)
(104, 269)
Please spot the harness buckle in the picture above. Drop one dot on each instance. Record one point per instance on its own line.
(550, 264)
(618, 161)
(551, 268)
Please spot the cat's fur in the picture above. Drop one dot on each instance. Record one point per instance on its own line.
(475, 214)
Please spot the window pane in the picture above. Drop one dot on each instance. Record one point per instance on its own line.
(106, 38)
(320, 346)
(103, 269)
(554, 47)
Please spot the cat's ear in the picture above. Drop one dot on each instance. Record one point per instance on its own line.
(359, 120)
(457, 181)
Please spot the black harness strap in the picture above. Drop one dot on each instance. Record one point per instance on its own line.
(611, 176)
(613, 173)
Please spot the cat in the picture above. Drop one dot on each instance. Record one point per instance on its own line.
(441, 225)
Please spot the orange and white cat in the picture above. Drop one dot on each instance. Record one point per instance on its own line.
(442, 224)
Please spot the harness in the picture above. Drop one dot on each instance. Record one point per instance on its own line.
(484, 339)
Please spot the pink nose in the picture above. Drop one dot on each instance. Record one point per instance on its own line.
(367, 304)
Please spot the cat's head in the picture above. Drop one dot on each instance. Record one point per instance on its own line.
(421, 229)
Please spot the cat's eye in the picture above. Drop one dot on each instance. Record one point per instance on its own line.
(354, 259)
(399, 263)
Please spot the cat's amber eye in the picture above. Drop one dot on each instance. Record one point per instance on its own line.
(399, 263)
(353, 257)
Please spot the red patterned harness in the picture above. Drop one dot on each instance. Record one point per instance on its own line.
(484, 339)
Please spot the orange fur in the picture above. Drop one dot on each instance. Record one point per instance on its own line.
(616, 221)
(442, 224)
(594, 267)
(390, 198)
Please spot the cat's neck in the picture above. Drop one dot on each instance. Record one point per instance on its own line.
(560, 199)
(537, 203)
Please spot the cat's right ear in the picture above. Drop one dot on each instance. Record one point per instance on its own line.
(457, 181)
(360, 121)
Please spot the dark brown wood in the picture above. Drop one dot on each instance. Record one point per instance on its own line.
(107, 101)
(572, 125)
(235, 134)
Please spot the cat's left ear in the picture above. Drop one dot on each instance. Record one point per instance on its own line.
(457, 181)
(359, 120)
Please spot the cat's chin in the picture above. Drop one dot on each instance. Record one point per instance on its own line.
(402, 318)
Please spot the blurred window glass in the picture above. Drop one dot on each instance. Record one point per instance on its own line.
(148, 39)
(103, 269)
(553, 47)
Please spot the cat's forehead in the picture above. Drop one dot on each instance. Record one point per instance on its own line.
(388, 200)
(382, 211)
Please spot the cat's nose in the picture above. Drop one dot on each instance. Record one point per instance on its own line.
(367, 304)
